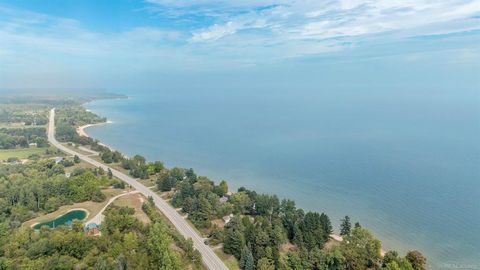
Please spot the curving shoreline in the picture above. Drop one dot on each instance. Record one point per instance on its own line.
(81, 132)
(81, 129)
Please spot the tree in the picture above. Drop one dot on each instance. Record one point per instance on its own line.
(158, 165)
(334, 259)
(165, 182)
(110, 173)
(345, 226)
(76, 159)
(246, 259)
(158, 245)
(265, 264)
(417, 260)
(361, 250)
(234, 237)
(223, 187)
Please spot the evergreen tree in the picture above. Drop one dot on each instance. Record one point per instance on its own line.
(76, 159)
(246, 259)
(110, 173)
(345, 226)
(265, 264)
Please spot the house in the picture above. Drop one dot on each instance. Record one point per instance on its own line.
(32, 144)
(227, 219)
(91, 226)
(223, 199)
(94, 232)
(92, 229)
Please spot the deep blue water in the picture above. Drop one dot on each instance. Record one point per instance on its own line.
(405, 164)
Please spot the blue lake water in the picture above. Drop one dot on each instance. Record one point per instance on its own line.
(405, 164)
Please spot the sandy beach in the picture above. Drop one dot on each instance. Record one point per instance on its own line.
(81, 130)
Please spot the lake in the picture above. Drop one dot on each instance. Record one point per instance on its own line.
(405, 164)
(64, 219)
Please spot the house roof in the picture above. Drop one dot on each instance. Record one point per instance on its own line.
(91, 226)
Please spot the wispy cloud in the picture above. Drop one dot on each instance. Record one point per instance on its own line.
(321, 20)
(228, 33)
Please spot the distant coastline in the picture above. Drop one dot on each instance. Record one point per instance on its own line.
(81, 132)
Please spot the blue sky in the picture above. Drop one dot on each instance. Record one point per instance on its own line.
(129, 44)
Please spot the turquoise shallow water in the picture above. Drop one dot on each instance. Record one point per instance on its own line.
(404, 164)
(63, 219)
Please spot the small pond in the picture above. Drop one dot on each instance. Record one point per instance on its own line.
(64, 219)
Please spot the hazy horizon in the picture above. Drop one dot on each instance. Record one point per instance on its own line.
(141, 45)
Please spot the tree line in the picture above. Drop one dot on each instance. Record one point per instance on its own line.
(11, 138)
(262, 225)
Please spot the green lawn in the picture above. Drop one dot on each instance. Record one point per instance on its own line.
(21, 153)
(229, 260)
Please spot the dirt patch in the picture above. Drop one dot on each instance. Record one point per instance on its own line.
(331, 243)
(219, 222)
(288, 247)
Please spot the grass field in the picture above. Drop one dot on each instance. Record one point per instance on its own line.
(229, 260)
(21, 153)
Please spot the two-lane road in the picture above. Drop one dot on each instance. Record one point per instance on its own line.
(210, 259)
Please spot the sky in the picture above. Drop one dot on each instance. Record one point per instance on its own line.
(127, 44)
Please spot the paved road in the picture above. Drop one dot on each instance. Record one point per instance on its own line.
(210, 259)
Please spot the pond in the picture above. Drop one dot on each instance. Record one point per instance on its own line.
(64, 219)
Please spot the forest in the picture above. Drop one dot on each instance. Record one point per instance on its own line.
(36, 188)
(11, 138)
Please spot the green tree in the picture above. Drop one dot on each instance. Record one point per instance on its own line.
(158, 245)
(417, 260)
(361, 250)
(246, 259)
(345, 226)
(76, 159)
(265, 264)
(158, 165)
(223, 187)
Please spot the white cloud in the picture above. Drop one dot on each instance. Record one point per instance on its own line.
(244, 32)
(320, 20)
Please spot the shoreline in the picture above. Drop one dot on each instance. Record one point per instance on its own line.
(81, 131)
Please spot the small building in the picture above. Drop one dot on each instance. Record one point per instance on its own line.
(33, 144)
(92, 229)
(91, 226)
(223, 199)
(58, 160)
(94, 232)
